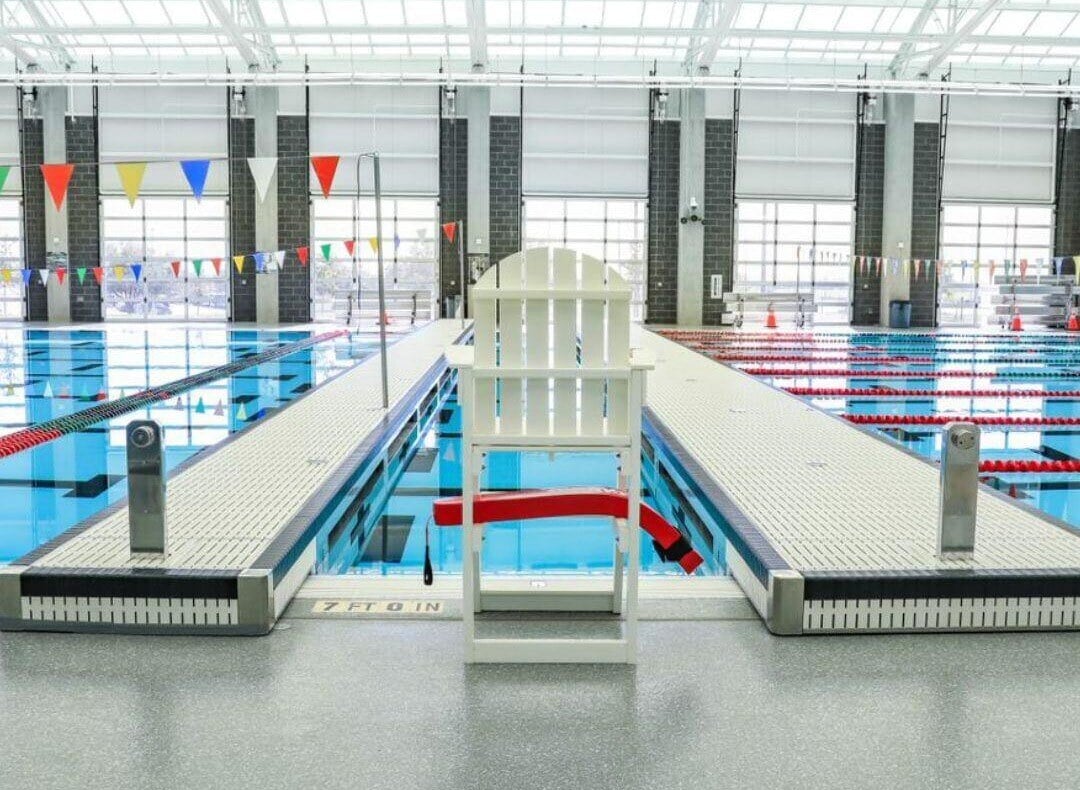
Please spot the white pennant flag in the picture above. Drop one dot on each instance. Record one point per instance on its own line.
(279, 256)
(262, 170)
(44, 274)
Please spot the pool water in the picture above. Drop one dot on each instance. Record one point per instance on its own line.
(392, 541)
(1006, 377)
(47, 373)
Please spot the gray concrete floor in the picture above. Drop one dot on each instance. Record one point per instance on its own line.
(355, 704)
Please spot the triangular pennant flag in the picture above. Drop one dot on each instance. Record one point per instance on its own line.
(195, 171)
(179, 403)
(279, 256)
(325, 168)
(219, 410)
(7, 275)
(260, 262)
(1023, 268)
(238, 261)
(302, 254)
(175, 265)
(918, 268)
(80, 272)
(1076, 268)
(4, 171)
(131, 176)
(99, 274)
(1058, 262)
(48, 391)
(449, 230)
(44, 274)
(197, 266)
(61, 273)
(136, 271)
(992, 267)
(326, 251)
(217, 266)
(57, 178)
(397, 241)
(262, 170)
(26, 274)
(241, 413)
(200, 407)
(350, 246)
(374, 242)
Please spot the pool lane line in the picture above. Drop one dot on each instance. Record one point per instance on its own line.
(844, 373)
(1004, 420)
(44, 432)
(842, 392)
(1035, 467)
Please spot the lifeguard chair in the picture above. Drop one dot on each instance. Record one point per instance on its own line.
(551, 370)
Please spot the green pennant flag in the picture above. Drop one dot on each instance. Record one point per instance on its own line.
(326, 251)
(81, 274)
(197, 265)
(4, 171)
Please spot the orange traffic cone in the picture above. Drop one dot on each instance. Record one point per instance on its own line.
(770, 318)
(1074, 322)
(1016, 325)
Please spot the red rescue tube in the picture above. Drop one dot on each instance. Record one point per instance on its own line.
(554, 503)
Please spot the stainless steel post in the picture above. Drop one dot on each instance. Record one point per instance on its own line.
(461, 265)
(146, 487)
(959, 490)
(382, 285)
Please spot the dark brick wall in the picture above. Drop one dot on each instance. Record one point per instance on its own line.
(924, 224)
(1067, 216)
(242, 218)
(663, 231)
(718, 210)
(33, 185)
(869, 214)
(453, 200)
(504, 184)
(294, 218)
(84, 218)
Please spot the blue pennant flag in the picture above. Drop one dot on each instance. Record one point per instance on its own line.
(136, 271)
(260, 262)
(397, 241)
(195, 171)
(26, 275)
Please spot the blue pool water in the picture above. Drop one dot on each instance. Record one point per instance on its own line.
(47, 374)
(1004, 364)
(392, 540)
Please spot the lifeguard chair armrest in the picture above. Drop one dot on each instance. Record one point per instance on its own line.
(460, 356)
(642, 359)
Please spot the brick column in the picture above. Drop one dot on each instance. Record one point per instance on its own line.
(453, 200)
(663, 225)
(1067, 215)
(294, 218)
(924, 225)
(504, 188)
(242, 218)
(718, 210)
(84, 218)
(868, 218)
(33, 154)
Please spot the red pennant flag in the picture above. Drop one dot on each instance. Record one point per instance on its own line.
(175, 268)
(217, 265)
(60, 275)
(302, 254)
(350, 246)
(57, 177)
(325, 169)
(449, 229)
(99, 274)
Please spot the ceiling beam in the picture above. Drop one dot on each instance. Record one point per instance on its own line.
(961, 34)
(701, 22)
(900, 60)
(476, 19)
(254, 14)
(18, 49)
(232, 28)
(63, 57)
(721, 29)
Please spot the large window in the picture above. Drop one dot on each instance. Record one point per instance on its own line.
(990, 235)
(797, 247)
(11, 258)
(611, 229)
(153, 233)
(346, 286)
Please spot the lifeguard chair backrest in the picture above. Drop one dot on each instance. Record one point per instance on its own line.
(537, 310)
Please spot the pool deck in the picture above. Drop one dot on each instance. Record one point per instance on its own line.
(239, 514)
(834, 527)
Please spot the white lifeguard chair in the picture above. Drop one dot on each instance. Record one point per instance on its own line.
(551, 370)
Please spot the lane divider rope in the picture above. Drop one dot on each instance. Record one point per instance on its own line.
(911, 374)
(908, 393)
(942, 419)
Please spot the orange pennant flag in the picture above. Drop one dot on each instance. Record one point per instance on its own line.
(350, 246)
(57, 178)
(325, 168)
(175, 269)
(217, 265)
(449, 229)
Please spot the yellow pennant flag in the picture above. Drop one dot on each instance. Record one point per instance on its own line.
(7, 275)
(374, 242)
(1076, 268)
(238, 260)
(131, 176)
(119, 272)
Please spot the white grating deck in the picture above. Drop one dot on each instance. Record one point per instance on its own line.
(224, 510)
(829, 496)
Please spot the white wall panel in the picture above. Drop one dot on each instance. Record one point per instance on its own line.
(401, 123)
(719, 103)
(1000, 149)
(148, 123)
(9, 139)
(796, 145)
(585, 141)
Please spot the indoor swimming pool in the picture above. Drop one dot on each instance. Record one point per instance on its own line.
(46, 375)
(1023, 390)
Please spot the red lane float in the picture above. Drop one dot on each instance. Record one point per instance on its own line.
(1038, 467)
(911, 374)
(875, 392)
(942, 419)
(868, 360)
(553, 503)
